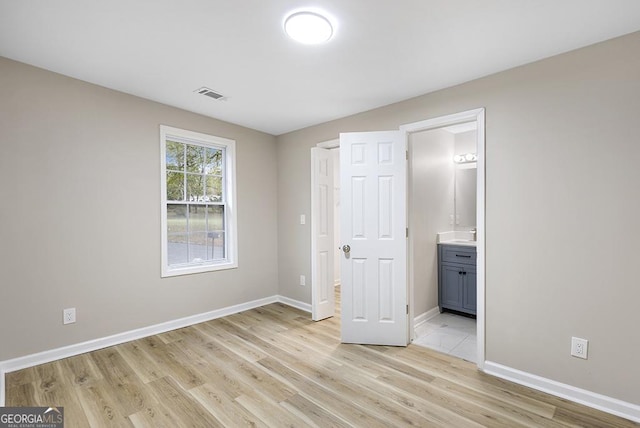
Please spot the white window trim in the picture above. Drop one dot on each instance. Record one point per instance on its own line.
(230, 210)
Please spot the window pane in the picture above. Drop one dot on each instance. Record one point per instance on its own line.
(177, 238)
(195, 159)
(213, 192)
(215, 228)
(195, 187)
(213, 164)
(175, 186)
(199, 251)
(176, 219)
(177, 249)
(218, 248)
(197, 218)
(175, 155)
(215, 217)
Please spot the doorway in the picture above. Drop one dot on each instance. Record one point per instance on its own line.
(477, 117)
(442, 207)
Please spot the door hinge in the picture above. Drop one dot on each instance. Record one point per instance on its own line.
(407, 309)
(407, 232)
(406, 153)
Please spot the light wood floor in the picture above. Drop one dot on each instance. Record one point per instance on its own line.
(273, 366)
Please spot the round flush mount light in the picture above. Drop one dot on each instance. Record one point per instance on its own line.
(310, 28)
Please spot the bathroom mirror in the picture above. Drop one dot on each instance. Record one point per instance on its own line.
(465, 196)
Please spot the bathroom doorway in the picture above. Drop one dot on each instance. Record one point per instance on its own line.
(442, 208)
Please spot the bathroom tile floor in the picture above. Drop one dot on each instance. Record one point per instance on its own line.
(450, 334)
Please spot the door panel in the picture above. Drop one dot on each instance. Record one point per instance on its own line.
(359, 290)
(373, 221)
(358, 192)
(385, 281)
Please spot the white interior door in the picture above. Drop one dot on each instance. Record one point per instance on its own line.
(322, 275)
(373, 195)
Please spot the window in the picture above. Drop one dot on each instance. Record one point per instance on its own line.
(198, 202)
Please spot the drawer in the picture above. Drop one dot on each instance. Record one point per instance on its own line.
(457, 254)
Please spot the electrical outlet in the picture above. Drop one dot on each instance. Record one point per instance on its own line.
(69, 316)
(303, 280)
(579, 347)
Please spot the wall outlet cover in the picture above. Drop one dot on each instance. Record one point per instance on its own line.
(579, 347)
(69, 316)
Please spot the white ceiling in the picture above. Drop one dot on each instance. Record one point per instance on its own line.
(383, 51)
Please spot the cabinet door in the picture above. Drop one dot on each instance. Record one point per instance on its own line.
(469, 292)
(451, 292)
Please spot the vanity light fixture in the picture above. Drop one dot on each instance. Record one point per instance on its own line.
(310, 28)
(465, 158)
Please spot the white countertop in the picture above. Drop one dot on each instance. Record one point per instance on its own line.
(459, 242)
(456, 237)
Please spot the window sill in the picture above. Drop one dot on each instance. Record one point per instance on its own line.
(188, 270)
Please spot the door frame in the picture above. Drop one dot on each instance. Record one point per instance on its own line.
(477, 115)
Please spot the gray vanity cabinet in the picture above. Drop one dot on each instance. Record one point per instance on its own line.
(457, 278)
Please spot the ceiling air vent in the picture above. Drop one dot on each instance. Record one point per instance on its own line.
(210, 93)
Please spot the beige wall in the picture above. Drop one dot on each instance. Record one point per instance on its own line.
(466, 142)
(561, 199)
(431, 202)
(80, 217)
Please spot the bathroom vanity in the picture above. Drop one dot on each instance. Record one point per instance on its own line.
(457, 276)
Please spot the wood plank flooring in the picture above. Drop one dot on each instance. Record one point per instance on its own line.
(274, 367)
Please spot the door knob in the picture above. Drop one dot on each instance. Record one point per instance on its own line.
(346, 248)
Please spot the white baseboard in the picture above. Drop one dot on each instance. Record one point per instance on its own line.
(421, 319)
(294, 303)
(425, 316)
(19, 363)
(591, 399)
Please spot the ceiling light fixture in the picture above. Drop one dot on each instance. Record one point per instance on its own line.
(310, 28)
